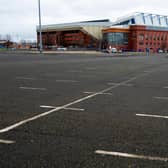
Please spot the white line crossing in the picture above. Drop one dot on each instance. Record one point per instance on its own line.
(16, 125)
(100, 93)
(134, 156)
(2, 141)
(128, 85)
(153, 116)
(53, 107)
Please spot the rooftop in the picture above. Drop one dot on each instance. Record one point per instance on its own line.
(101, 23)
(147, 19)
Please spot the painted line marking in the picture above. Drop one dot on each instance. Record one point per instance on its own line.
(75, 71)
(67, 81)
(25, 78)
(90, 68)
(11, 127)
(127, 155)
(129, 85)
(30, 88)
(154, 116)
(16, 125)
(161, 98)
(6, 141)
(148, 71)
(100, 93)
(166, 87)
(53, 107)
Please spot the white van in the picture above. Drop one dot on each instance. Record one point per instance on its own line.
(114, 50)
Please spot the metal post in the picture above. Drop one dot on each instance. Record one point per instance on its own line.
(40, 44)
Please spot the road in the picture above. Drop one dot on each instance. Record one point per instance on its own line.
(83, 111)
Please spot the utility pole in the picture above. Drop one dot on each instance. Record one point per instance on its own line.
(40, 44)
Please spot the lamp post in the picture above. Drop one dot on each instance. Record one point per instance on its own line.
(40, 44)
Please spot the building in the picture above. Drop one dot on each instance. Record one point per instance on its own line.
(87, 34)
(5, 43)
(135, 32)
(138, 32)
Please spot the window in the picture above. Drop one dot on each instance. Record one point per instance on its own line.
(151, 37)
(116, 38)
(141, 43)
(146, 36)
(141, 37)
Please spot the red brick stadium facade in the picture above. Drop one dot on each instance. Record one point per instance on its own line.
(137, 32)
(72, 38)
(142, 37)
(139, 38)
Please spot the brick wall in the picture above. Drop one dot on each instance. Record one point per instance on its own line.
(142, 38)
(68, 38)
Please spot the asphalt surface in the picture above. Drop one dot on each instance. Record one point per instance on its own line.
(98, 106)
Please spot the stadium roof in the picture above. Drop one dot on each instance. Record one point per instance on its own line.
(78, 25)
(143, 19)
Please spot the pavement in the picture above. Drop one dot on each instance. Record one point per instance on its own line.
(85, 111)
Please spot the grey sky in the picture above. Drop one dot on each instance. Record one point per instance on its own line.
(20, 17)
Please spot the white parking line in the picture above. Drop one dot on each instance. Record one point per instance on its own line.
(53, 107)
(13, 126)
(153, 116)
(128, 85)
(6, 141)
(100, 93)
(150, 71)
(76, 71)
(90, 68)
(30, 88)
(67, 81)
(166, 87)
(161, 98)
(128, 155)
(25, 78)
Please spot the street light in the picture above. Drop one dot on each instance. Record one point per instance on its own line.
(41, 45)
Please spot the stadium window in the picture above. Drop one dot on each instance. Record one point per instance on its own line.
(146, 36)
(141, 43)
(164, 37)
(141, 37)
(151, 37)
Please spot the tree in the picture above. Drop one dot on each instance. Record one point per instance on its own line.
(8, 37)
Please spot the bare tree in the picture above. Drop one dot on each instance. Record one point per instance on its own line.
(8, 37)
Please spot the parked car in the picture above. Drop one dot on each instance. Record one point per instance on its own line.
(61, 49)
(114, 50)
(160, 51)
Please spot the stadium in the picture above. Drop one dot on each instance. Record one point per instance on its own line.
(135, 32)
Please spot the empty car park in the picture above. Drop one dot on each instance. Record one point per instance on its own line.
(81, 110)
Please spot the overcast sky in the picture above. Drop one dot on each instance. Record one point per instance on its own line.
(20, 17)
